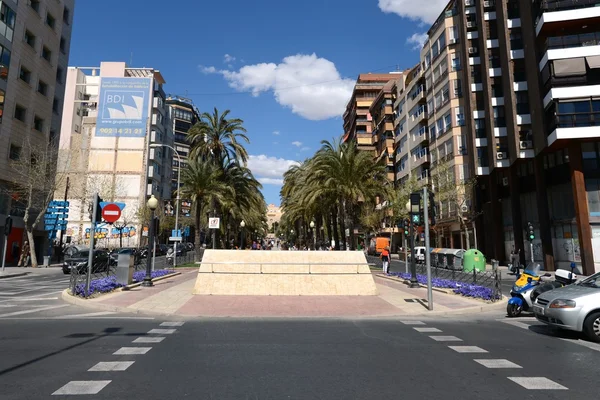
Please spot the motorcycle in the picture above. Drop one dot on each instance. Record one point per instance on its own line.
(522, 291)
(561, 278)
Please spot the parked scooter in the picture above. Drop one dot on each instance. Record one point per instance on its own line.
(561, 278)
(522, 291)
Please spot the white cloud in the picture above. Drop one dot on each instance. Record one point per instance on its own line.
(228, 59)
(297, 143)
(269, 170)
(417, 40)
(207, 70)
(309, 85)
(276, 133)
(426, 11)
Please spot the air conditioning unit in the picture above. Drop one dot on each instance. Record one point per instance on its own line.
(525, 144)
(505, 181)
(464, 208)
(489, 3)
(451, 41)
(469, 2)
(472, 50)
(500, 155)
(471, 24)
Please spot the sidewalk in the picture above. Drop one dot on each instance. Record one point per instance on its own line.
(173, 296)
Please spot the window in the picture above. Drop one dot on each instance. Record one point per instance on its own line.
(447, 121)
(20, 113)
(50, 20)
(29, 39)
(35, 4)
(55, 105)
(38, 123)
(15, 152)
(7, 18)
(46, 54)
(66, 15)
(2, 96)
(42, 88)
(59, 75)
(25, 74)
(63, 45)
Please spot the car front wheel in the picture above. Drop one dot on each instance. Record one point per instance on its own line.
(591, 327)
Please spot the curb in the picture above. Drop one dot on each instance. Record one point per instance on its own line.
(14, 275)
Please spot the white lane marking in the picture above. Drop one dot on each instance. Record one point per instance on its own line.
(537, 383)
(446, 338)
(111, 366)
(423, 330)
(125, 351)
(517, 324)
(81, 387)
(497, 363)
(413, 322)
(178, 323)
(12, 314)
(589, 345)
(468, 349)
(96, 314)
(34, 299)
(144, 339)
(162, 331)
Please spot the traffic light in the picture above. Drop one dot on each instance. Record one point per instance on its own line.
(97, 201)
(530, 232)
(406, 227)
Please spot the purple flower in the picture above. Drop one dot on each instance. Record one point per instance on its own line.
(464, 289)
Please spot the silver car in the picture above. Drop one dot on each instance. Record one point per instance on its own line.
(575, 307)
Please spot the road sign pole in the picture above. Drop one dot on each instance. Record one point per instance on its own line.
(427, 254)
(91, 253)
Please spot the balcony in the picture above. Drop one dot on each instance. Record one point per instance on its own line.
(551, 11)
(582, 71)
(573, 46)
(418, 94)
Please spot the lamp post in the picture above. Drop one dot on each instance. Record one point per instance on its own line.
(177, 198)
(152, 205)
(242, 225)
(312, 227)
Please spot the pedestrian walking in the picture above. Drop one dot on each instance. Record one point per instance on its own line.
(385, 258)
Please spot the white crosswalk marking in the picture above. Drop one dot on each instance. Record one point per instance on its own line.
(413, 322)
(144, 339)
(162, 331)
(126, 351)
(468, 349)
(111, 366)
(537, 383)
(81, 387)
(95, 314)
(424, 330)
(497, 363)
(178, 323)
(446, 338)
(12, 314)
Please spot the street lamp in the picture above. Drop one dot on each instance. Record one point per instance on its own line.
(152, 205)
(242, 225)
(177, 199)
(312, 226)
(413, 262)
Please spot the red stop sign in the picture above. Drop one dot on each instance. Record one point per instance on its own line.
(111, 213)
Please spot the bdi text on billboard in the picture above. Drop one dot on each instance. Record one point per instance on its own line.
(123, 107)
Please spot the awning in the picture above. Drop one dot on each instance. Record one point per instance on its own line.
(569, 67)
(593, 61)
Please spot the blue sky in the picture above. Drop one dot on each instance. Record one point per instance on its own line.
(285, 67)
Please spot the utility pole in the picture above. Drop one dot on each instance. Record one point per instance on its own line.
(427, 255)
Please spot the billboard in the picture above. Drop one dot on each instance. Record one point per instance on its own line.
(123, 107)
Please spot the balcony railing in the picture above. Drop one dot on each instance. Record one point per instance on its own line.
(574, 120)
(576, 78)
(562, 5)
(569, 41)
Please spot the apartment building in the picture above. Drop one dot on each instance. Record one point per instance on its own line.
(382, 125)
(183, 115)
(35, 38)
(358, 125)
(115, 121)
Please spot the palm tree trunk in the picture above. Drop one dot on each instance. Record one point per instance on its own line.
(342, 217)
(336, 236)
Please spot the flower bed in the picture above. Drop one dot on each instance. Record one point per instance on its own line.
(108, 284)
(464, 289)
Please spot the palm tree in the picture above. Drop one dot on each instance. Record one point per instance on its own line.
(203, 183)
(217, 138)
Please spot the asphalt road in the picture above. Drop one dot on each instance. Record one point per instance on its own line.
(285, 359)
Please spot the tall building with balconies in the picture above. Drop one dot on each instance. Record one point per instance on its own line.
(115, 121)
(358, 125)
(382, 125)
(35, 38)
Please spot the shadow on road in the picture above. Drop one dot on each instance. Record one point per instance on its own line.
(555, 332)
(93, 337)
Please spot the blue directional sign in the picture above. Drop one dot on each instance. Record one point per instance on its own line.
(55, 218)
(176, 233)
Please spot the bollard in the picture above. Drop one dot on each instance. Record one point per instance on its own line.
(474, 275)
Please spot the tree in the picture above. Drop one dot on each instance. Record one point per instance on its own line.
(127, 218)
(454, 195)
(36, 175)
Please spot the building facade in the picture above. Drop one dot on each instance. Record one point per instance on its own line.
(35, 38)
(104, 151)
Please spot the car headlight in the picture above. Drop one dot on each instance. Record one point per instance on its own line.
(559, 303)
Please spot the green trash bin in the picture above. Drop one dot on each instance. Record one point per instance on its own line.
(473, 259)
